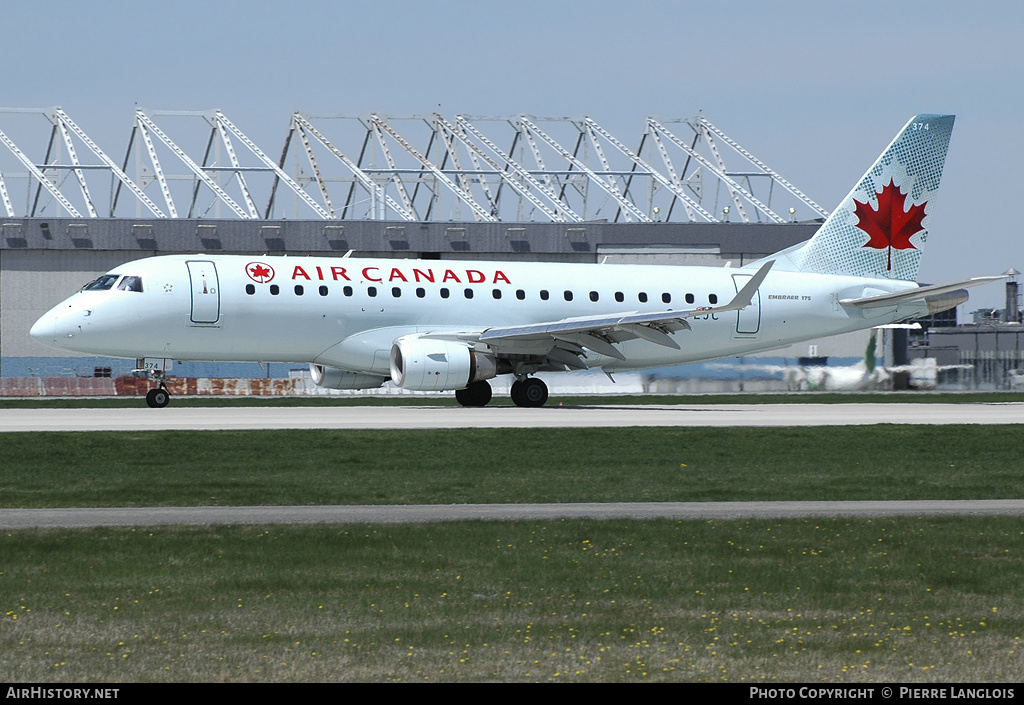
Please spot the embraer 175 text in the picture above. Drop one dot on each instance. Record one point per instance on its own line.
(451, 325)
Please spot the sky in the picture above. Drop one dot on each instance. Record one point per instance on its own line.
(815, 89)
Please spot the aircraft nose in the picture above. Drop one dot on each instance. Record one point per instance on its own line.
(45, 329)
(60, 326)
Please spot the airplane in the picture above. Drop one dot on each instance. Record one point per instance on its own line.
(864, 375)
(436, 325)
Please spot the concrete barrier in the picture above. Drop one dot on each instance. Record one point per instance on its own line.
(57, 387)
(138, 386)
(587, 383)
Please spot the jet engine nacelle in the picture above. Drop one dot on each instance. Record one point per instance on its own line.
(428, 365)
(335, 378)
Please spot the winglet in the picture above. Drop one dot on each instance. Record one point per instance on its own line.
(745, 295)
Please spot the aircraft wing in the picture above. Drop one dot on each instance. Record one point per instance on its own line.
(913, 294)
(598, 333)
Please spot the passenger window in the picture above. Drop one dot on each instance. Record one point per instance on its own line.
(347, 291)
(642, 297)
(568, 295)
(496, 293)
(666, 298)
(619, 297)
(250, 289)
(469, 293)
(275, 290)
(520, 294)
(543, 295)
(396, 292)
(323, 291)
(371, 291)
(421, 292)
(594, 296)
(130, 283)
(713, 298)
(299, 291)
(689, 298)
(444, 292)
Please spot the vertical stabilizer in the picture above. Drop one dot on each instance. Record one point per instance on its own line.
(880, 228)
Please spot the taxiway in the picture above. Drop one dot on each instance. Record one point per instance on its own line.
(78, 517)
(428, 417)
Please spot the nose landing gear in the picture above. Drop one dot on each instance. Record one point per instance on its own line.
(158, 398)
(155, 369)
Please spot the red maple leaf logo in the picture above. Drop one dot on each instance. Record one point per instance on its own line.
(259, 272)
(891, 225)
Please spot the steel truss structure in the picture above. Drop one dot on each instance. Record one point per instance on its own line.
(419, 169)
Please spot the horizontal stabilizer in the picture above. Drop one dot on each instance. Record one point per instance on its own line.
(920, 292)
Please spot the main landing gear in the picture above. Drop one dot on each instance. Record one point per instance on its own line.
(476, 394)
(528, 392)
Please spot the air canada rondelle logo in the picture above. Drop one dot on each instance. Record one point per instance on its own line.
(259, 272)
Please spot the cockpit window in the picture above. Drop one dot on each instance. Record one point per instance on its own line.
(103, 283)
(130, 283)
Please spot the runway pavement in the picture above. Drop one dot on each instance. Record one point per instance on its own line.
(426, 417)
(77, 518)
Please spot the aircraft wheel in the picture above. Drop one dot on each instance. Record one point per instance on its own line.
(516, 392)
(530, 392)
(476, 394)
(534, 392)
(157, 398)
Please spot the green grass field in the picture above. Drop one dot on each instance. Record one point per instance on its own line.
(826, 601)
(509, 465)
(832, 601)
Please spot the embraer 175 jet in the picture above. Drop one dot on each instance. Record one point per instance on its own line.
(451, 325)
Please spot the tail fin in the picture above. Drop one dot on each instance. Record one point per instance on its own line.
(880, 228)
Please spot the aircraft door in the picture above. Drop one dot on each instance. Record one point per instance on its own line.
(748, 320)
(205, 291)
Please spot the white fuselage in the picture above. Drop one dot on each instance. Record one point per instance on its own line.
(347, 312)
